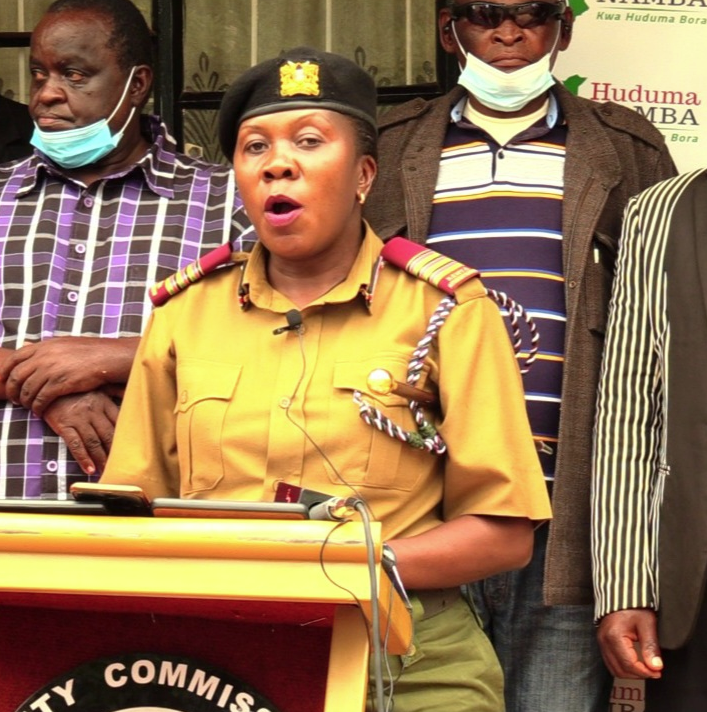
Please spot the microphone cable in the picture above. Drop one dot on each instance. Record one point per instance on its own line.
(376, 642)
(322, 454)
(359, 504)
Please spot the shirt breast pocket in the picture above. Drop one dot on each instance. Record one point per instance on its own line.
(372, 458)
(205, 390)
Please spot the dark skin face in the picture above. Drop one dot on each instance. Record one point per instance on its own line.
(77, 80)
(300, 174)
(507, 47)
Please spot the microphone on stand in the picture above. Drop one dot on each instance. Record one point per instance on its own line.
(334, 509)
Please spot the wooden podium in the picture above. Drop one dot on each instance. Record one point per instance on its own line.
(283, 605)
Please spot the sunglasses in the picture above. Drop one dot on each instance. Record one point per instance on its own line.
(490, 15)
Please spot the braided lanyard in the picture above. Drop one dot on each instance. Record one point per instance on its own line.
(515, 310)
(426, 436)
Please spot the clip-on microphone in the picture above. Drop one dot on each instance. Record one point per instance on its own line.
(294, 321)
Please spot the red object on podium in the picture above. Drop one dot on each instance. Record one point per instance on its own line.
(283, 606)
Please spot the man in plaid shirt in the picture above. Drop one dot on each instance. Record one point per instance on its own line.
(104, 208)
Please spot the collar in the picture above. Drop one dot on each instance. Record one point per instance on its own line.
(552, 118)
(360, 281)
(158, 165)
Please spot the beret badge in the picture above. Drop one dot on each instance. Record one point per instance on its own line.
(299, 79)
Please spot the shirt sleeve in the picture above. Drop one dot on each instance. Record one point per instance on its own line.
(144, 450)
(627, 472)
(491, 467)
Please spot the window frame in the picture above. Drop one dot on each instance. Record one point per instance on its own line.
(171, 100)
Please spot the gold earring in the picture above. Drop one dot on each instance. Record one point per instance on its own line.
(362, 197)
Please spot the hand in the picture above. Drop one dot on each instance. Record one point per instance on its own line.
(86, 423)
(38, 373)
(619, 632)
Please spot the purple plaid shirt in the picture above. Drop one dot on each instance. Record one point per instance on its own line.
(78, 261)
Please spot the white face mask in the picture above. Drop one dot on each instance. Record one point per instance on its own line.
(505, 91)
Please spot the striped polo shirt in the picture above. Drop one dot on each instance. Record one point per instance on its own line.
(499, 209)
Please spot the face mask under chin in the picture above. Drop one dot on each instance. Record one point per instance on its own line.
(83, 146)
(505, 91)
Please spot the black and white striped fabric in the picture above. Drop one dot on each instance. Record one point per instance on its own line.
(630, 435)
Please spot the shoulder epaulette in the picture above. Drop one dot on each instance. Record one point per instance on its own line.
(440, 271)
(162, 291)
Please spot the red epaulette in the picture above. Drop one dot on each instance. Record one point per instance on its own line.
(440, 271)
(162, 291)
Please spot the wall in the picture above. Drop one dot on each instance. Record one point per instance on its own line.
(649, 55)
(394, 40)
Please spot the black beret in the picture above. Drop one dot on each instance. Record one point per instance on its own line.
(299, 78)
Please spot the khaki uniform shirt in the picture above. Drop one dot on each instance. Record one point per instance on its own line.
(219, 407)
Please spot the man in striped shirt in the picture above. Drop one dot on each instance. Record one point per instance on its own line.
(649, 529)
(104, 207)
(512, 174)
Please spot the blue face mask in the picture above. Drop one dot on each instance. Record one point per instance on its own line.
(75, 148)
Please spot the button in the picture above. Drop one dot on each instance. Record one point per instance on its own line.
(80, 248)
(73, 297)
(285, 402)
(184, 397)
(88, 201)
(52, 466)
(380, 382)
(572, 284)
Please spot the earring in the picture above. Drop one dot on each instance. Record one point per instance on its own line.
(362, 197)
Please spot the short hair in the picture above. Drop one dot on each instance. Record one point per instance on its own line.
(366, 137)
(130, 38)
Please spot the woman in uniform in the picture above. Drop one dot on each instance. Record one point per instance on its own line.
(327, 361)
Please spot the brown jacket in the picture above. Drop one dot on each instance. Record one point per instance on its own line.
(612, 154)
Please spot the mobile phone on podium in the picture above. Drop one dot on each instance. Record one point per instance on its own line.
(119, 500)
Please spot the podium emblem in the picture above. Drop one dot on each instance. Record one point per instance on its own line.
(147, 682)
